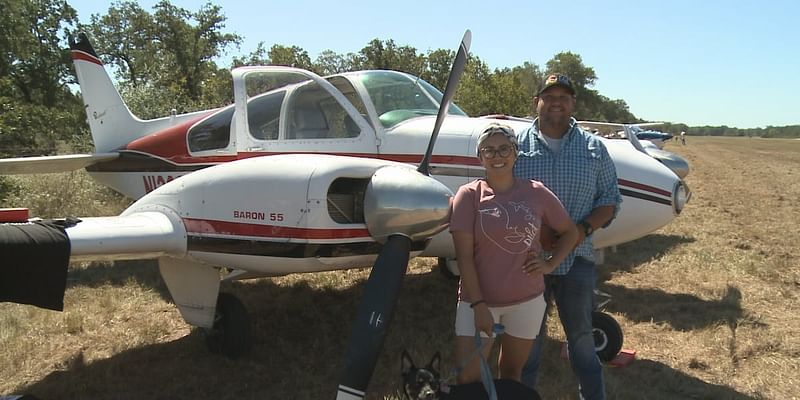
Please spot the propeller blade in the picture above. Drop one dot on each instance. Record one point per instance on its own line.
(374, 316)
(391, 220)
(450, 90)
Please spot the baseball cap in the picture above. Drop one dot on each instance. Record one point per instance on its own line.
(556, 80)
(494, 128)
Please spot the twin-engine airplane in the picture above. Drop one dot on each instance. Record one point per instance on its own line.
(301, 174)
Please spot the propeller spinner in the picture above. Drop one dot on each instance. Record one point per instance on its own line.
(400, 206)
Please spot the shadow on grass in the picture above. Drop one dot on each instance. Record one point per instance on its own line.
(119, 273)
(632, 254)
(684, 312)
(647, 379)
(642, 379)
(300, 333)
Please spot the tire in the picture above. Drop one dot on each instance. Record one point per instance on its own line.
(230, 334)
(607, 336)
(445, 270)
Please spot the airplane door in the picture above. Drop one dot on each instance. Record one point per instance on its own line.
(289, 110)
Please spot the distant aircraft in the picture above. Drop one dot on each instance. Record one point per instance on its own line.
(656, 137)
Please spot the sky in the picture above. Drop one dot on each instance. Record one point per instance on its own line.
(707, 62)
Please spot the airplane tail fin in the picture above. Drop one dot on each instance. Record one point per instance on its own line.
(112, 124)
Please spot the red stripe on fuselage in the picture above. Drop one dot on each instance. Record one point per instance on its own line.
(644, 187)
(208, 226)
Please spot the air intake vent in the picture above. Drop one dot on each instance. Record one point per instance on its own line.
(346, 200)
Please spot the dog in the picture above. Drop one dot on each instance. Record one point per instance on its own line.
(421, 383)
(426, 384)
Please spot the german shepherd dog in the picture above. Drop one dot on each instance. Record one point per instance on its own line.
(425, 383)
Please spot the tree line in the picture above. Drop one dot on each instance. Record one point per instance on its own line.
(167, 58)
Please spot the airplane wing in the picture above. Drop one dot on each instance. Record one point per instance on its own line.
(36, 252)
(51, 164)
(615, 125)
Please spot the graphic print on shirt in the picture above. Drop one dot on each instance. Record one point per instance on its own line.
(512, 227)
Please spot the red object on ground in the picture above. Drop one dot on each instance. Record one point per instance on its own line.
(14, 215)
(625, 356)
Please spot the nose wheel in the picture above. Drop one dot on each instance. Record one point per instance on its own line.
(230, 335)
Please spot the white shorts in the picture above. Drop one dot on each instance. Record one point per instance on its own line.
(521, 320)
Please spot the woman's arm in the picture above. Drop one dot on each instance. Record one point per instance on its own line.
(470, 287)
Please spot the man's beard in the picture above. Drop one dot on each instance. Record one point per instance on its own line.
(555, 121)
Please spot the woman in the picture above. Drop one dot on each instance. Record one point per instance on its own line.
(496, 224)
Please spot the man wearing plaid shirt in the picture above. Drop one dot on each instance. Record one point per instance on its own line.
(575, 165)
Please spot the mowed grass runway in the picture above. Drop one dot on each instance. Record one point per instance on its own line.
(709, 303)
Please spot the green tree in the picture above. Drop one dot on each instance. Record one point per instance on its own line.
(438, 67)
(169, 53)
(477, 93)
(328, 62)
(34, 64)
(37, 109)
(380, 54)
(125, 38)
(187, 51)
(290, 56)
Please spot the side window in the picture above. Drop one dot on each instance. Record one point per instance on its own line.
(346, 87)
(263, 115)
(213, 132)
(315, 114)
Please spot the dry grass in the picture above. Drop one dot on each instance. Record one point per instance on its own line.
(709, 303)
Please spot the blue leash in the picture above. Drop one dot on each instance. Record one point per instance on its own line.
(486, 372)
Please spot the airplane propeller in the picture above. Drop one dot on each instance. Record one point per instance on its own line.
(389, 221)
(450, 90)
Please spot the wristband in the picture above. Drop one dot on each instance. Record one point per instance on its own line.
(475, 303)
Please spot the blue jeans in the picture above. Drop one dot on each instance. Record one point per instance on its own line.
(574, 296)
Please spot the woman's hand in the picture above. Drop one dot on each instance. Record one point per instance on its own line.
(536, 264)
(483, 319)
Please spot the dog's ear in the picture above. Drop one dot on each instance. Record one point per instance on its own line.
(435, 362)
(406, 363)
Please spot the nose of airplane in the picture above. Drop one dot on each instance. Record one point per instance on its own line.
(400, 200)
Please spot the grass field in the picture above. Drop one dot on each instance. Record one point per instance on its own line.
(710, 303)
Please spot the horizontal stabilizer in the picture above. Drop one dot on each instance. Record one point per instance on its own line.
(51, 164)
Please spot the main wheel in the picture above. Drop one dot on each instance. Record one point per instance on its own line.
(230, 334)
(607, 336)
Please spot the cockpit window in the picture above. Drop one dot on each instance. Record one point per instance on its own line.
(213, 132)
(315, 114)
(343, 85)
(263, 115)
(398, 97)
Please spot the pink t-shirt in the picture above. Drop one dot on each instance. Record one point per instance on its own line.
(505, 228)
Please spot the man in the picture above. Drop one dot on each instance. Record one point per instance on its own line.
(574, 165)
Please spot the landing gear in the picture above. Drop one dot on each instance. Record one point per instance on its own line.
(607, 336)
(230, 334)
(606, 331)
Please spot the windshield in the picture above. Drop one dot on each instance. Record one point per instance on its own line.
(398, 97)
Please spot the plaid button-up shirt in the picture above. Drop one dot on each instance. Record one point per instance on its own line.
(581, 174)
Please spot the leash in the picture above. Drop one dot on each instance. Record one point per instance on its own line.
(486, 372)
